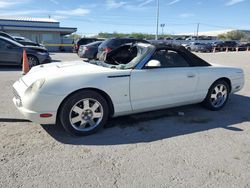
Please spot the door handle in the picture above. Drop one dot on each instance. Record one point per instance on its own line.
(191, 75)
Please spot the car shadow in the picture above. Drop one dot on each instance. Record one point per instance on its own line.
(55, 60)
(163, 124)
(10, 68)
(13, 120)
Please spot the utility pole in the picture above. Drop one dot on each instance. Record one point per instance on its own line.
(197, 31)
(157, 19)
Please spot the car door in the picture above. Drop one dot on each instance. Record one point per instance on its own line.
(173, 83)
(10, 54)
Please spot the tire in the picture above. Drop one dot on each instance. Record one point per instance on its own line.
(217, 96)
(84, 113)
(32, 60)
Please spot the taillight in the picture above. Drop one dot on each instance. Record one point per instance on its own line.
(107, 50)
(77, 46)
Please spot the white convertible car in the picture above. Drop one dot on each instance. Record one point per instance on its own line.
(133, 78)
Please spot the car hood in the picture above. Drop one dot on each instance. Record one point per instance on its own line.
(29, 47)
(65, 70)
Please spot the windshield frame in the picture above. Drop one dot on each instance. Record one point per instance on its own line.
(135, 62)
(150, 49)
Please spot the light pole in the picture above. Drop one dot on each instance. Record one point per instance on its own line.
(157, 19)
(162, 29)
(197, 31)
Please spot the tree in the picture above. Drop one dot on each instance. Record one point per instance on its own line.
(234, 35)
(75, 36)
(222, 36)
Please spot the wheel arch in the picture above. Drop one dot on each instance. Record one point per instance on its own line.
(227, 80)
(31, 55)
(101, 92)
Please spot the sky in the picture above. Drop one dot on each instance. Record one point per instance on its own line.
(126, 16)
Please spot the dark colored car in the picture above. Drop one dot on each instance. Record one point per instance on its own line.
(22, 40)
(200, 47)
(26, 42)
(222, 45)
(89, 50)
(243, 46)
(83, 41)
(230, 44)
(217, 44)
(11, 53)
(113, 43)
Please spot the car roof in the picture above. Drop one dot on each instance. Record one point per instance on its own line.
(124, 38)
(11, 41)
(6, 35)
(93, 43)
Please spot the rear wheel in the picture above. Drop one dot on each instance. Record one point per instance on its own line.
(217, 96)
(84, 113)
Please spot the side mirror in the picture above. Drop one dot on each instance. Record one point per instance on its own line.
(153, 64)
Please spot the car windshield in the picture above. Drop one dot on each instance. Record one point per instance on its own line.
(142, 51)
(126, 57)
(23, 39)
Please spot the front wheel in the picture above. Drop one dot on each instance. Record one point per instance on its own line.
(84, 113)
(217, 96)
(32, 61)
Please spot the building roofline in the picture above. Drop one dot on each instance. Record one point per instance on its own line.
(44, 27)
(30, 21)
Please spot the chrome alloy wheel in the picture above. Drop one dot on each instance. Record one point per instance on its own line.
(32, 61)
(86, 114)
(219, 95)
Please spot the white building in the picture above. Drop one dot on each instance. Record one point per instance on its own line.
(42, 30)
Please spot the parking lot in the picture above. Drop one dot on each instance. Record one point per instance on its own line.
(181, 147)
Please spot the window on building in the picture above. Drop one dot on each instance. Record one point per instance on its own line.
(47, 37)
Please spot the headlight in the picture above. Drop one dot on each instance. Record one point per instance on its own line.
(43, 53)
(35, 86)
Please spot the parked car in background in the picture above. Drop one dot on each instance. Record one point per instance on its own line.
(22, 40)
(82, 96)
(199, 47)
(222, 45)
(90, 50)
(83, 41)
(26, 42)
(230, 44)
(217, 44)
(112, 43)
(192, 38)
(11, 53)
(244, 46)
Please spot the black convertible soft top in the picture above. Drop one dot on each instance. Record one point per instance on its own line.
(193, 59)
(125, 55)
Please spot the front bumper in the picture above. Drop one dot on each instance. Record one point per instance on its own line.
(46, 60)
(34, 116)
(32, 106)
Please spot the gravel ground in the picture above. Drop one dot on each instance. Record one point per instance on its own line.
(166, 148)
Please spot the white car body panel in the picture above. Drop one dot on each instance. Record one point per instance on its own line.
(163, 87)
(130, 91)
